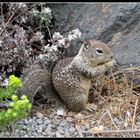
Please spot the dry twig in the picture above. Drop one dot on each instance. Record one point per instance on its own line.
(78, 130)
(134, 115)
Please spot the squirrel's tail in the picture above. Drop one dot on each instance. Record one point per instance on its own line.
(38, 81)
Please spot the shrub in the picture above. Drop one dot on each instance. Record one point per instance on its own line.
(17, 108)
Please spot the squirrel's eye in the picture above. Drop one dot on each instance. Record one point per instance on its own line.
(86, 46)
(99, 51)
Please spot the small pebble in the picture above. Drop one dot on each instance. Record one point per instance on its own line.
(39, 121)
(20, 122)
(26, 121)
(7, 133)
(2, 134)
(17, 131)
(138, 124)
(72, 129)
(25, 135)
(61, 131)
(59, 135)
(83, 128)
(30, 121)
(75, 134)
(66, 135)
(117, 121)
(49, 133)
(34, 118)
(43, 133)
(24, 127)
(34, 134)
(138, 118)
(63, 123)
(39, 131)
(47, 122)
(60, 111)
(22, 133)
(49, 127)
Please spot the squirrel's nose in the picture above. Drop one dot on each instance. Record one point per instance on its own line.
(111, 57)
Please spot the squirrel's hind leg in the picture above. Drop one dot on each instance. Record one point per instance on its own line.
(76, 103)
(79, 103)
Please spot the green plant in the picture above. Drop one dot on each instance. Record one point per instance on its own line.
(17, 108)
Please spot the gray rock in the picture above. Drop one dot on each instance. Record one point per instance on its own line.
(72, 129)
(2, 134)
(42, 126)
(30, 121)
(138, 124)
(24, 127)
(49, 133)
(15, 135)
(29, 128)
(60, 130)
(20, 122)
(40, 135)
(83, 127)
(39, 121)
(26, 121)
(25, 135)
(116, 24)
(59, 135)
(34, 118)
(116, 120)
(35, 134)
(66, 135)
(44, 134)
(34, 124)
(47, 121)
(48, 127)
(7, 133)
(63, 123)
(39, 130)
(75, 133)
(22, 133)
(90, 136)
(17, 131)
(33, 128)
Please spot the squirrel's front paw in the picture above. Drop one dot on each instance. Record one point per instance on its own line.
(111, 63)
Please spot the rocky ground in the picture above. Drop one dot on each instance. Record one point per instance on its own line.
(59, 123)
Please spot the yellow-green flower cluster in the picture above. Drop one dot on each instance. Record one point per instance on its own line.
(14, 81)
(23, 103)
(18, 108)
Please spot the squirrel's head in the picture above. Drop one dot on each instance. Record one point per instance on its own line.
(96, 52)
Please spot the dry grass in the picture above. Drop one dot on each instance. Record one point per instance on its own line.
(117, 95)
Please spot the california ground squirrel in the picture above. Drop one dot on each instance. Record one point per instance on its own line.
(71, 77)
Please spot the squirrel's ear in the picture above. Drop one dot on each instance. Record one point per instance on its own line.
(86, 42)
